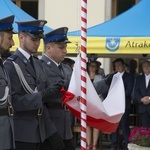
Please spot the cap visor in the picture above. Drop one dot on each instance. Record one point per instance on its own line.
(14, 32)
(66, 41)
(36, 35)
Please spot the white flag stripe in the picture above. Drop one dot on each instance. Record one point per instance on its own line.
(111, 109)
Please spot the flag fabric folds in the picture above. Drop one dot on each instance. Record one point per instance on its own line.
(105, 115)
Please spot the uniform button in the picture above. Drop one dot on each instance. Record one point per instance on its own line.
(35, 106)
(38, 82)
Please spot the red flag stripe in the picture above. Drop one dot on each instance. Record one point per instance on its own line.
(100, 124)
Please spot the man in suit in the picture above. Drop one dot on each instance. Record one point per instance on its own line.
(142, 93)
(7, 141)
(31, 90)
(55, 52)
(128, 81)
(102, 86)
(70, 62)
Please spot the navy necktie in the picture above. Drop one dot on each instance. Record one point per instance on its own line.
(1, 63)
(31, 61)
(60, 68)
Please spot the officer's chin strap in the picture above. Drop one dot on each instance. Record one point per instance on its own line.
(23, 81)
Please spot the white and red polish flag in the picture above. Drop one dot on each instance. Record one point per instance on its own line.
(105, 115)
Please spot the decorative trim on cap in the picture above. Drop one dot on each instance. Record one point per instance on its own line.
(6, 26)
(55, 38)
(29, 28)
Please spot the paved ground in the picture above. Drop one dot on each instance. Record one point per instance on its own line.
(104, 142)
(105, 146)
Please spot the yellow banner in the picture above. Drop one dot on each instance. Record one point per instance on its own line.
(103, 45)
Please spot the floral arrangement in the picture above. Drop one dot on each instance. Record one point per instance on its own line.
(140, 136)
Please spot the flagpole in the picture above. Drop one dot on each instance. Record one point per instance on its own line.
(83, 72)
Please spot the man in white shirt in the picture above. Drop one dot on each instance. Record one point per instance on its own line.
(128, 81)
(142, 93)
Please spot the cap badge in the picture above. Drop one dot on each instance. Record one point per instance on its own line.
(65, 30)
(41, 24)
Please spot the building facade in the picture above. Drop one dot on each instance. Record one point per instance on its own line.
(68, 13)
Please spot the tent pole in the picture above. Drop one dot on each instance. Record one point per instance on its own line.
(136, 1)
(18, 3)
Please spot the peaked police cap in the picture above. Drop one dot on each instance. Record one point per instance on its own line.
(6, 24)
(32, 28)
(58, 36)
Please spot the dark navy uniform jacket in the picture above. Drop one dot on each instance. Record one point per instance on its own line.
(29, 127)
(58, 114)
(6, 121)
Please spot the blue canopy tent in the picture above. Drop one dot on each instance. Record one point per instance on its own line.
(128, 33)
(7, 8)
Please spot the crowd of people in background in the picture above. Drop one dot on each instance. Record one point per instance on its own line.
(32, 115)
(137, 91)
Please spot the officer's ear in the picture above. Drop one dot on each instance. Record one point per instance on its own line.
(1, 36)
(20, 36)
(47, 46)
(0, 39)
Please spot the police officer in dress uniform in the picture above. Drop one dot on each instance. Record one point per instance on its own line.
(31, 90)
(55, 52)
(7, 141)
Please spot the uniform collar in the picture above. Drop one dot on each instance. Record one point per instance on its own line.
(52, 60)
(26, 55)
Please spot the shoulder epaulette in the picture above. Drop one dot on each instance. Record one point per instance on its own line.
(12, 57)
